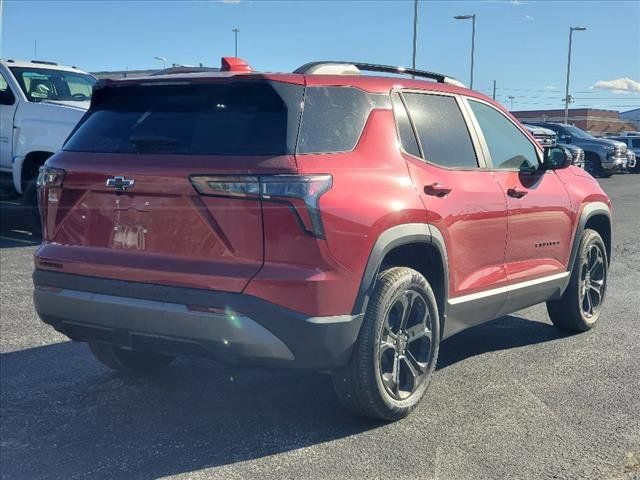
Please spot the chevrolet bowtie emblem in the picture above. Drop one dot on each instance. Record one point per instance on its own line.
(120, 183)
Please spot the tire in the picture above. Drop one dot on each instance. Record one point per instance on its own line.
(593, 165)
(367, 386)
(579, 308)
(30, 208)
(129, 361)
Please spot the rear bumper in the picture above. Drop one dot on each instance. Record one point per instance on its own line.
(232, 327)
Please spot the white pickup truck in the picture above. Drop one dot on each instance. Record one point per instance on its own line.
(40, 103)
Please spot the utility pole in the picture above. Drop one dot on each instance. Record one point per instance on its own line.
(415, 33)
(235, 33)
(35, 49)
(494, 89)
(567, 97)
(511, 97)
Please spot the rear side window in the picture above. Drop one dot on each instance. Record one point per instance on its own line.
(441, 129)
(334, 118)
(405, 130)
(635, 143)
(236, 118)
(508, 146)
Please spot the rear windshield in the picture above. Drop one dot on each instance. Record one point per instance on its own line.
(236, 118)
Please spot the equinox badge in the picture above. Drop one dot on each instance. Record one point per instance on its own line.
(120, 183)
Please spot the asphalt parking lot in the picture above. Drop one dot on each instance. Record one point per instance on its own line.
(511, 399)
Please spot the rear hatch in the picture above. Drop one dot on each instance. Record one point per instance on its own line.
(158, 182)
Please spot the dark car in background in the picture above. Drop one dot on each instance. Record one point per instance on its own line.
(603, 156)
(548, 138)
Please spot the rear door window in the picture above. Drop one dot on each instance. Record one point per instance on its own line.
(441, 130)
(233, 118)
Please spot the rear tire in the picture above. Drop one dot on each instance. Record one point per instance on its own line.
(579, 308)
(30, 208)
(396, 351)
(129, 361)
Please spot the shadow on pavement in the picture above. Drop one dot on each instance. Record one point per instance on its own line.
(501, 334)
(63, 415)
(14, 231)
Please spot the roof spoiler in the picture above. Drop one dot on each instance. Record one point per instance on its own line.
(234, 64)
(329, 67)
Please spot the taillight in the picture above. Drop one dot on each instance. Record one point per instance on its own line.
(50, 177)
(49, 183)
(277, 188)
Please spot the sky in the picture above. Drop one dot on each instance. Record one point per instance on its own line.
(520, 44)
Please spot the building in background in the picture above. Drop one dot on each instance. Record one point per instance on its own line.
(175, 68)
(632, 116)
(595, 121)
(115, 74)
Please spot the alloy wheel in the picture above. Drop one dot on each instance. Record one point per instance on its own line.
(592, 281)
(405, 346)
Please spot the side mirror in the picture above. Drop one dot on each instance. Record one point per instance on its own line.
(564, 138)
(6, 97)
(556, 158)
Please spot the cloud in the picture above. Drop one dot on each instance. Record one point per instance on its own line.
(233, 2)
(550, 87)
(529, 17)
(516, 2)
(618, 85)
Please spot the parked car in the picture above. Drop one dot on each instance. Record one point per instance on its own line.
(632, 142)
(320, 219)
(547, 138)
(576, 153)
(603, 156)
(40, 103)
(544, 136)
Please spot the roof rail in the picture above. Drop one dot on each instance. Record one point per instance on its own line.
(333, 67)
(44, 62)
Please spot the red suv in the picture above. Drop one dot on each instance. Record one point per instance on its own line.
(319, 219)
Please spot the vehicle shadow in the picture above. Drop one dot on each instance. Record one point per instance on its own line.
(14, 232)
(63, 415)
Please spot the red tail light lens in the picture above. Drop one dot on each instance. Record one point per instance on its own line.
(308, 188)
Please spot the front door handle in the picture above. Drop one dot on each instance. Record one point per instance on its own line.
(516, 192)
(436, 190)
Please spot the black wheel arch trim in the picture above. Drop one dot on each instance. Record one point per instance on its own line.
(589, 211)
(406, 234)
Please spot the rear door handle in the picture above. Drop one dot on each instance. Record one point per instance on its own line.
(436, 190)
(516, 192)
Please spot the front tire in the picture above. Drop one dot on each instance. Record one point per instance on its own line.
(396, 351)
(129, 361)
(579, 308)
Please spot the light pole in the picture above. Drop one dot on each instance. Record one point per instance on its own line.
(473, 39)
(415, 32)
(235, 33)
(511, 97)
(163, 60)
(566, 96)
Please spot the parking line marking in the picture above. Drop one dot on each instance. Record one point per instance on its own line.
(20, 240)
